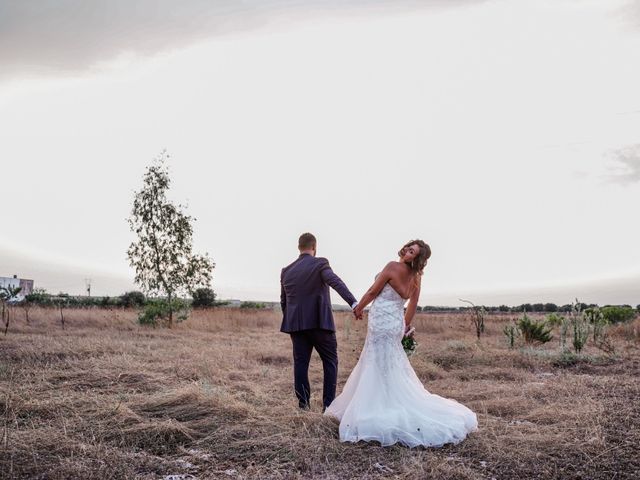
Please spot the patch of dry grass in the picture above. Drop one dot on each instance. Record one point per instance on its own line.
(213, 398)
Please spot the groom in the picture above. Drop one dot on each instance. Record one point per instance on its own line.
(307, 317)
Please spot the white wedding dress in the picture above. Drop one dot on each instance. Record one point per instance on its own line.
(384, 400)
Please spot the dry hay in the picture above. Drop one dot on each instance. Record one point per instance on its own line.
(213, 398)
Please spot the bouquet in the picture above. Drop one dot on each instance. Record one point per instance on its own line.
(409, 343)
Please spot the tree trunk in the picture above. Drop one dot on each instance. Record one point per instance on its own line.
(170, 312)
(6, 320)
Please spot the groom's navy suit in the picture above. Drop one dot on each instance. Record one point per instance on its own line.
(307, 316)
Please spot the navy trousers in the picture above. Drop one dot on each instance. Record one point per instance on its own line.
(324, 341)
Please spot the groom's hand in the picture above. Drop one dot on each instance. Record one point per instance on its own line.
(357, 312)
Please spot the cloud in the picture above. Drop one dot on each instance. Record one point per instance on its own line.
(626, 169)
(51, 36)
(630, 13)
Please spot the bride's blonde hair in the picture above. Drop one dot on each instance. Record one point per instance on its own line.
(420, 261)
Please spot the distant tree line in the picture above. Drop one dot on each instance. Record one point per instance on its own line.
(527, 307)
(201, 297)
(206, 297)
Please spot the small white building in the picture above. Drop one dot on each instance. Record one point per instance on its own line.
(26, 286)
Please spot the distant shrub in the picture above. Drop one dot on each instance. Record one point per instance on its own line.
(534, 331)
(618, 314)
(133, 299)
(203, 297)
(566, 359)
(580, 326)
(39, 296)
(158, 311)
(554, 319)
(599, 324)
(478, 313)
(511, 331)
(526, 307)
(550, 307)
(253, 305)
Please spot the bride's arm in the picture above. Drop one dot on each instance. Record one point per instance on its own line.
(382, 278)
(413, 304)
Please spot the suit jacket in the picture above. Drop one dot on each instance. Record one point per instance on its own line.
(304, 294)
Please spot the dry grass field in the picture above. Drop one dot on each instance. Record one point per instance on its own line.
(213, 398)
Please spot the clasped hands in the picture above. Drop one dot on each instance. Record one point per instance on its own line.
(358, 312)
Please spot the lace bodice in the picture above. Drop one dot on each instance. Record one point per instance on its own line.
(386, 316)
(389, 294)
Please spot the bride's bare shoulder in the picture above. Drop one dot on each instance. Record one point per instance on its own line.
(392, 270)
(391, 267)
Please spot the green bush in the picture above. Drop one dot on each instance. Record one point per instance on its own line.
(554, 319)
(580, 326)
(39, 296)
(158, 311)
(133, 299)
(533, 330)
(203, 297)
(618, 314)
(511, 331)
(253, 305)
(566, 359)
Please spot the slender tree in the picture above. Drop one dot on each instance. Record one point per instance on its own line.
(477, 316)
(7, 294)
(162, 255)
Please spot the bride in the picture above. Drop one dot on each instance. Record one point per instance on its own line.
(383, 399)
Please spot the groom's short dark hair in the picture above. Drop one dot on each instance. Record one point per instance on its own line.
(306, 241)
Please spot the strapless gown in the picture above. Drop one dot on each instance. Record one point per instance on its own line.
(383, 400)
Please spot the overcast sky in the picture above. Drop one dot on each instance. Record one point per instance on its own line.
(506, 134)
